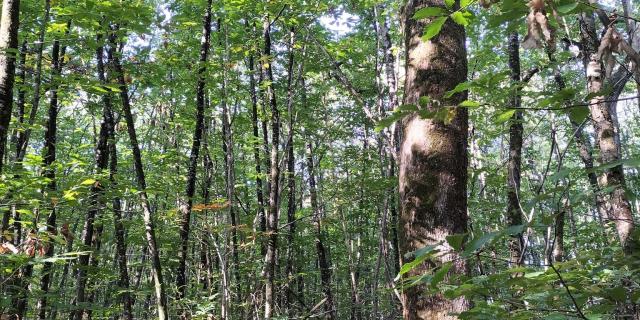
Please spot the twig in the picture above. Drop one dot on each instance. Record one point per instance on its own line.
(564, 284)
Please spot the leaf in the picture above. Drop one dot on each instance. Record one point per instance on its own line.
(459, 18)
(578, 114)
(88, 182)
(433, 28)
(533, 274)
(505, 116)
(617, 294)
(469, 104)
(514, 230)
(567, 7)
(497, 20)
(439, 275)
(420, 256)
(398, 114)
(449, 3)
(461, 87)
(464, 3)
(479, 242)
(428, 12)
(456, 241)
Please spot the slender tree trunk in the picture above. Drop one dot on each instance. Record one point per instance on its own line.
(272, 218)
(119, 229)
(433, 157)
(514, 164)
(23, 138)
(187, 202)
(256, 152)
(323, 259)
(8, 50)
(154, 252)
(557, 253)
(291, 181)
(22, 98)
(50, 144)
(229, 167)
(97, 189)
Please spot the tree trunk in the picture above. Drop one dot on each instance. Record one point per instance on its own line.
(323, 259)
(8, 50)
(50, 144)
(187, 202)
(119, 229)
(514, 211)
(291, 181)
(154, 252)
(256, 152)
(23, 138)
(613, 178)
(229, 167)
(274, 177)
(97, 189)
(433, 157)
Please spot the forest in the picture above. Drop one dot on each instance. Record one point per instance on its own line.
(324, 159)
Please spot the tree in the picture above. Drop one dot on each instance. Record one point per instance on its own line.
(9, 22)
(433, 157)
(186, 204)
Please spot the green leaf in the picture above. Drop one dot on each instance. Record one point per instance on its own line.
(505, 116)
(428, 12)
(433, 28)
(456, 241)
(449, 3)
(567, 7)
(88, 182)
(398, 114)
(439, 275)
(420, 256)
(461, 87)
(578, 114)
(469, 104)
(459, 18)
(617, 294)
(479, 242)
(464, 3)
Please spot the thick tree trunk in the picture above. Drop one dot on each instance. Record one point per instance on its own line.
(187, 202)
(50, 144)
(613, 178)
(274, 190)
(514, 164)
(321, 250)
(433, 157)
(152, 246)
(8, 51)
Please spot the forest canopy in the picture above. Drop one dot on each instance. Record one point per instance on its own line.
(326, 159)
